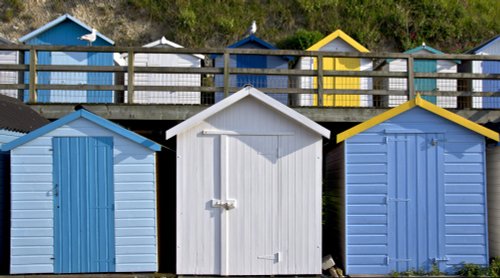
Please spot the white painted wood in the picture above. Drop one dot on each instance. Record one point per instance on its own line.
(158, 79)
(9, 77)
(294, 179)
(242, 94)
(32, 202)
(444, 66)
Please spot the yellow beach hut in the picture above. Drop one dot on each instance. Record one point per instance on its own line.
(337, 41)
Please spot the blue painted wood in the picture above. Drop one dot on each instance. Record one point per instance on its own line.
(67, 33)
(89, 116)
(445, 216)
(426, 84)
(83, 205)
(415, 202)
(4, 211)
(251, 61)
(491, 85)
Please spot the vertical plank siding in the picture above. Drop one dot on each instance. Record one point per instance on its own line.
(9, 77)
(458, 195)
(32, 231)
(296, 208)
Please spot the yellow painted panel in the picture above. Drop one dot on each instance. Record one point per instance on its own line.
(328, 82)
(353, 83)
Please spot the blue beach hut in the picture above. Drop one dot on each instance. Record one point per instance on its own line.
(490, 47)
(16, 119)
(65, 30)
(254, 61)
(83, 198)
(411, 185)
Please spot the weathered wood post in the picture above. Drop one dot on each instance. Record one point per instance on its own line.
(130, 85)
(411, 78)
(320, 80)
(33, 79)
(20, 75)
(226, 73)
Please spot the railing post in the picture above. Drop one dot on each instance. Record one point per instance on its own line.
(320, 80)
(33, 79)
(411, 78)
(226, 74)
(20, 75)
(130, 83)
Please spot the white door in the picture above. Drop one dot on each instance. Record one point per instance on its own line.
(249, 205)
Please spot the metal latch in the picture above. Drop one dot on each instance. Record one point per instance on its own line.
(227, 205)
(443, 259)
(396, 200)
(389, 259)
(276, 257)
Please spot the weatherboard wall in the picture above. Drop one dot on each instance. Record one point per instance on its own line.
(9, 77)
(294, 205)
(32, 215)
(5, 137)
(158, 79)
(450, 211)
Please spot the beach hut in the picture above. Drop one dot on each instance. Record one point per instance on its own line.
(337, 41)
(8, 57)
(421, 84)
(65, 31)
(248, 189)
(490, 47)
(492, 168)
(159, 79)
(16, 119)
(254, 61)
(411, 185)
(83, 198)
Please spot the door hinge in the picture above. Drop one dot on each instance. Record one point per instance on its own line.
(434, 141)
(389, 259)
(443, 259)
(276, 257)
(396, 200)
(227, 205)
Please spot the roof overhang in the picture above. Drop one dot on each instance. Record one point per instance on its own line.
(241, 94)
(422, 103)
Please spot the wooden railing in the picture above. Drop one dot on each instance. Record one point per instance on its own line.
(32, 86)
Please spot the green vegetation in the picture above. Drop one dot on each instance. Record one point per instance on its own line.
(381, 25)
(474, 270)
(10, 8)
(419, 273)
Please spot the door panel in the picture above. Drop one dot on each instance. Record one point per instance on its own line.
(415, 202)
(426, 84)
(68, 78)
(251, 61)
(251, 229)
(83, 205)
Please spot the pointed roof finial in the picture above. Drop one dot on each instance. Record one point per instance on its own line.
(423, 44)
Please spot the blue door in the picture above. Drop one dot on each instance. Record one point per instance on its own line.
(491, 85)
(83, 205)
(426, 84)
(415, 202)
(251, 61)
(68, 78)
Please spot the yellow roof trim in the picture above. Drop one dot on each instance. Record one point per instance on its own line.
(338, 34)
(422, 103)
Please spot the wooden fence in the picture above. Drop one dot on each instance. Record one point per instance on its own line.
(32, 86)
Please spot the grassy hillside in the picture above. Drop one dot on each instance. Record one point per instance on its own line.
(381, 25)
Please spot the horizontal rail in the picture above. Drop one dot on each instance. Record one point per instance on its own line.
(220, 51)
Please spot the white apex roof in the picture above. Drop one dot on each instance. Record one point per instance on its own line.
(241, 94)
(164, 41)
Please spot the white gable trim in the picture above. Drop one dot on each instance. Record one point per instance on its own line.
(245, 92)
